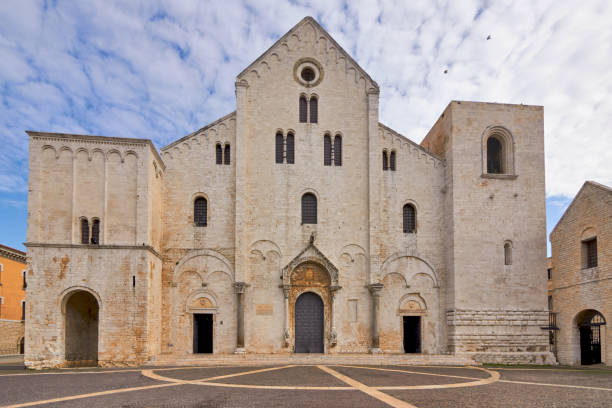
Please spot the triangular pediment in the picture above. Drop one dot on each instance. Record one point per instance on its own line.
(308, 29)
(312, 254)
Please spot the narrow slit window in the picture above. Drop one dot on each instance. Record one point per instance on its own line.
(279, 142)
(226, 154)
(95, 232)
(290, 148)
(385, 161)
(303, 109)
(200, 209)
(338, 150)
(409, 214)
(392, 160)
(84, 231)
(25, 282)
(507, 254)
(314, 110)
(219, 154)
(309, 209)
(23, 309)
(327, 150)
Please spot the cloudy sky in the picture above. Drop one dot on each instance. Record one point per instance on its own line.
(159, 70)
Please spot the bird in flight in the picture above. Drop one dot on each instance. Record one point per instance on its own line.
(488, 37)
(446, 71)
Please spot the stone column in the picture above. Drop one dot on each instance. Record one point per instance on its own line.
(286, 330)
(239, 288)
(375, 289)
(333, 336)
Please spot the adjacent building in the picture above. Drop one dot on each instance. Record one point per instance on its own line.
(296, 224)
(580, 276)
(12, 300)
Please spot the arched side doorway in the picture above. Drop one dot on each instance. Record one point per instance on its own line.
(81, 333)
(589, 325)
(309, 328)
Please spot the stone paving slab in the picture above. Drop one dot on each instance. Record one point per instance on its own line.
(307, 376)
(375, 378)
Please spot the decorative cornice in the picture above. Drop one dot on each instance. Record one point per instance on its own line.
(81, 246)
(210, 125)
(12, 254)
(416, 145)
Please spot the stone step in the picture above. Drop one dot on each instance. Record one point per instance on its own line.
(266, 359)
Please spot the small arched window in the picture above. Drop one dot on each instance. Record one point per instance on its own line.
(200, 209)
(314, 109)
(409, 214)
(219, 153)
(507, 254)
(309, 209)
(303, 109)
(494, 156)
(290, 148)
(84, 231)
(385, 161)
(338, 150)
(392, 160)
(226, 154)
(95, 232)
(279, 142)
(327, 150)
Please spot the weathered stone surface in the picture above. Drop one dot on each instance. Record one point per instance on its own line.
(450, 272)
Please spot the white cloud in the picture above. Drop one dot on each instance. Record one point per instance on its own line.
(160, 69)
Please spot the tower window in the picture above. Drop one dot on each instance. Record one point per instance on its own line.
(409, 215)
(392, 160)
(494, 156)
(219, 153)
(303, 109)
(507, 254)
(385, 160)
(314, 110)
(200, 209)
(84, 231)
(338, 150)
(95, 232)
(226, 154)
(290, 148)
(327, 150)
(280, 144)
(309, 209)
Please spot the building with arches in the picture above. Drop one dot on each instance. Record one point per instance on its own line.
(580, 273)
(296, 224)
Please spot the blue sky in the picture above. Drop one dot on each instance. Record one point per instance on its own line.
(161, 69)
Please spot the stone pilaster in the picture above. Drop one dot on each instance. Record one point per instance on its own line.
(239, 289)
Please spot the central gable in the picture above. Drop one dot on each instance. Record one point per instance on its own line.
(308, 39)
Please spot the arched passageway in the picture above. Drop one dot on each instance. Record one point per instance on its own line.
(82, 329)
(589, 325)
(309, 323)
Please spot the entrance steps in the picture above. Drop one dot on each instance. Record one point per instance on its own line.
(332, 359)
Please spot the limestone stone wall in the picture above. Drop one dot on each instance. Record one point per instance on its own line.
(11, 335)
(576, 288)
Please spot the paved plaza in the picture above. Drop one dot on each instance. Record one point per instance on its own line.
(308, 386)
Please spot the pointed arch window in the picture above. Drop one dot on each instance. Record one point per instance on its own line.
(314, 109)
(327, 150)
(219, 153)
(200, 210)
(409, 215)
(226, 154)
(385, 162)
(290, 148)
(95, 232)
(84, 231)
(338, 150)
(392, 160)
(303, 109)
(309, 209)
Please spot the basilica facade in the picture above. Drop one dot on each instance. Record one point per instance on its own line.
(296, 224)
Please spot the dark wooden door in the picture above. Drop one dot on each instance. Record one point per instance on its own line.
(412, 334)
(590, 346)
(202, 333)
(309, 324)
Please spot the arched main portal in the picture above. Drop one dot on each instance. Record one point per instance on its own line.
(309, 326)
(82, 329)
(589, 325)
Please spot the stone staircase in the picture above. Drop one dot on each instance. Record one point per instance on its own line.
(298, 359)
